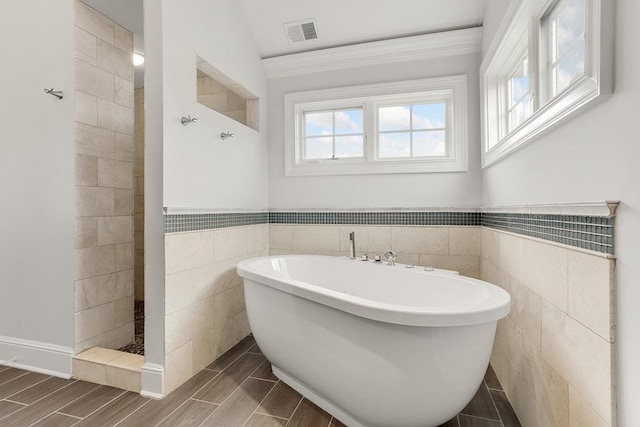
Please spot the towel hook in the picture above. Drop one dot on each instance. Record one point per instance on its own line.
(186, 120)
(225, 135)
(57, 93)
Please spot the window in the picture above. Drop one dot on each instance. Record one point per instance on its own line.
(412, 131)
(519, 101)
(553, 60)
(401, 127)
(336, 134)
(564, 29)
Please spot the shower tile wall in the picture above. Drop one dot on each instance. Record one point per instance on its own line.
(221, 99)
(452, 248)
(138, 193)
(553, 353)
(104, 181)
(204, 299)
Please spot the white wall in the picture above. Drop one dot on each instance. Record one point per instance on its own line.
(459, 189)
(191, 167)
(153, 203)
(37, 173)
(201, 170)
(594, 157)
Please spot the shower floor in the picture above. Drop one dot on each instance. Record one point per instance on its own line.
(137, 346)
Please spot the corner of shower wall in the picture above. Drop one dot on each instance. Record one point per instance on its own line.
(104, 128)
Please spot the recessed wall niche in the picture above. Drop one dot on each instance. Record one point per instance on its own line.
(222, 94)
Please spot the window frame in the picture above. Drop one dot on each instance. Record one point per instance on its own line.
(450, 89)
(526, 19)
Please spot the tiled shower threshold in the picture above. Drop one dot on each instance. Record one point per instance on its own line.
(238, 389)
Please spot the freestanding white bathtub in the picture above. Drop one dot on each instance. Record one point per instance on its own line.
(373, 344)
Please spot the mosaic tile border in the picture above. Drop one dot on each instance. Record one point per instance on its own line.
(377, 218)
(594, 233)
(175, 223)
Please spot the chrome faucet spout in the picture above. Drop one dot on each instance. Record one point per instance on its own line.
(352, 246)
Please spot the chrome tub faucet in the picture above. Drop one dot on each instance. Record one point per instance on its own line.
(352, 245)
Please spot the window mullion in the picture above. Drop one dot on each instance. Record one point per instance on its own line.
(371, 116)
(333, 134)
(410, 131)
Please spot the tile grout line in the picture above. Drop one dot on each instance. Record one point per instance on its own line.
(207, 383)
(68, 403)
(294, 412)
(102, 406)
(263, 399)
(225, 399)
(493, 402)
(11, 413)
(261, 379)
(176, 410)
(137, 409)
(67, 415)
(20, 376)
(271, 416)
(481, 418)
(202, 401)
(43, 397)
(32, 385)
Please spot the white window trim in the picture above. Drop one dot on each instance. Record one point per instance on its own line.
(453, 86)
(583, 93)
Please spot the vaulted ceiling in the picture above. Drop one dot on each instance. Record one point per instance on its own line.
(338, 22)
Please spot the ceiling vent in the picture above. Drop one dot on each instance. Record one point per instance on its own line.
(301, 31)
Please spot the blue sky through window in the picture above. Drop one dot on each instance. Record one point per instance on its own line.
(568, 44)
(334, 134)
(412, 130)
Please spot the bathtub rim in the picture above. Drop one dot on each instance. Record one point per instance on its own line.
(389, 313)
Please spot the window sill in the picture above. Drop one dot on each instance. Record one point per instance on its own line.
(378, 167)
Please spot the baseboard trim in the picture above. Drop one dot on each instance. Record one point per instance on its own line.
(152, 381)
(35, 356)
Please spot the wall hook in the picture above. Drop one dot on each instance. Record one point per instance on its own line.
(57, 93)
(186, 120)
(225, 135)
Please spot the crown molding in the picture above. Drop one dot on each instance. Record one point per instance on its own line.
(427, 46)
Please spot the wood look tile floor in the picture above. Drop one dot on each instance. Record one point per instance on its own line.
(236, 390)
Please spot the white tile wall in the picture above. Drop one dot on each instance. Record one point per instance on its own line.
(204, 299)
(545, 271)
(104, 181)
(452, 248)
(553, 353)
(587, 297)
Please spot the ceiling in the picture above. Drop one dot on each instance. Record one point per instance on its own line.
(127, 13)
(343, 22)
(338, 22)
